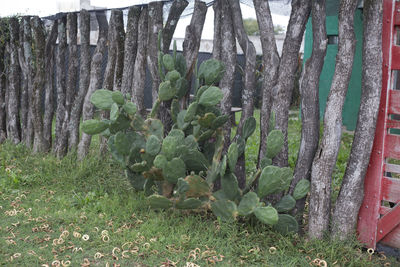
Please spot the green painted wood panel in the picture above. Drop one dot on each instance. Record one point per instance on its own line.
(352, 102)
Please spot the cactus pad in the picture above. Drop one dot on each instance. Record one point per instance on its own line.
(267, 215)
(198, 187)
(248, 203)
(94, 126)
(286, 224)
(166, 91)
(232, 156)
(168, 62)
(174, 170)
(118, 97)
(207, 120)
(275, 141)
(287, 203)
(249, 127)
(172, 76)
(190, 203)
(102, 99)
(211, 96)
(153, 145)
(211, 71)
(130, 108)
(230, 186)
(301, 190)
(191, 112)
(159, 202)
(226, 210)
(160, 161)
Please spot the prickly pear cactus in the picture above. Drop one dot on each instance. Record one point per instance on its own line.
(178, 169)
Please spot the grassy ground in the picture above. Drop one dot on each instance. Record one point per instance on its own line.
(85, 212)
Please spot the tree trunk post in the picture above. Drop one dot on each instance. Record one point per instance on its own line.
(61, 86)
(287, 72)
(228, 57)
(326, 155)
(26, 63)
(84, 79)
(217, 7)
(24, 108)
(131, 45)
(155, 24)
(139, 74)
(95, 81)
(120, 45)
(39, 143)
(72, 29)
(50, 84)
(309, 93)
(192, 40)
(109, 75)
(270, 69)
(351, 192)
(176, 9)
(13, 123)
(249, 81)
(3, 82)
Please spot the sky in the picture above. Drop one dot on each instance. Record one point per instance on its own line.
(50, 7)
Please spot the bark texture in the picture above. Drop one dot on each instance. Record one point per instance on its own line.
(109, 75)
(119, 44)
(23, 111)
(61, 86)
(95, 81)
(351, 192)
(326, 155)
(176, 9)
(38, 33)
(72, 29)
(139, 73)
(287, 71)
(131, 45)
(249, 81)
(26, 64)
(108, 82)
(175, 12)
(155, 23)
(217, 7)
(50, 84)
(3, 81)
(270, 68)
(309, 88)
(13, 123)
(84, 79)
(228, 57)
(193, 33)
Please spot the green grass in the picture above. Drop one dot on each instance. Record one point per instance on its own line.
(41, 197)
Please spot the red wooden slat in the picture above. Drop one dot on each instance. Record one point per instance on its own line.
(394, 100)
(393, 238)
(393, 124)
(396, 57)
(391, 168)
(397, 14)
(392, 146)
(369, 211)
(383, 210)
(388, 222)
(391, 189)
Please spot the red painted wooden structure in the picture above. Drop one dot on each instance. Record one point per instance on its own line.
(379, 216)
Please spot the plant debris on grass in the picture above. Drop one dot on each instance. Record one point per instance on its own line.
(85, 213)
